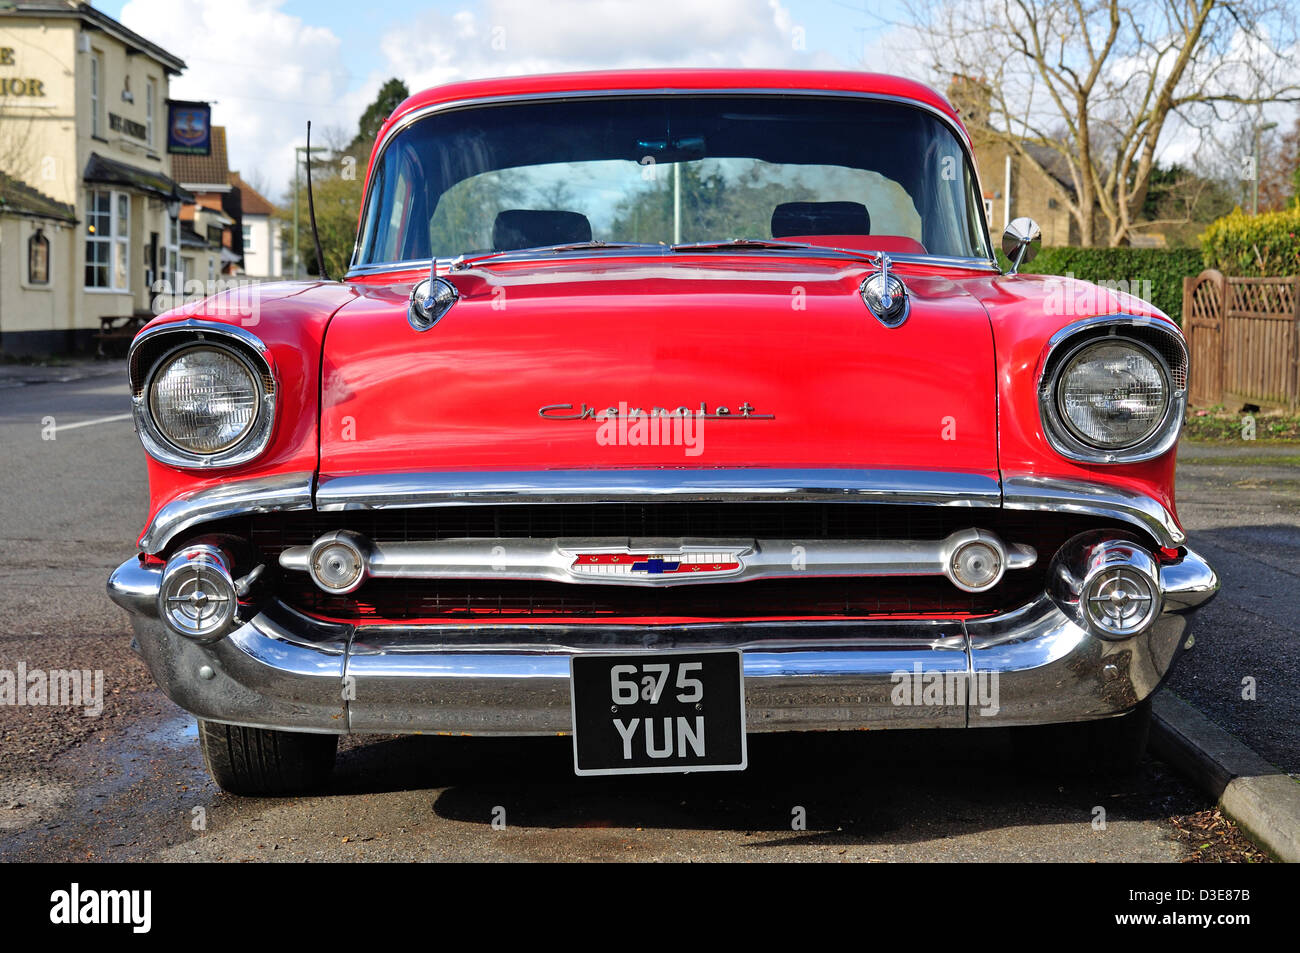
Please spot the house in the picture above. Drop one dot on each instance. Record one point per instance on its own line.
(89, 205)
(1023, 179)
(260, 232)
(216, 212)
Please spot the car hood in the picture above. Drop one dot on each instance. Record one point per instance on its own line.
(743, 363)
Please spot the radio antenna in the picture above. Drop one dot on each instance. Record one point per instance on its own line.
(311, 210)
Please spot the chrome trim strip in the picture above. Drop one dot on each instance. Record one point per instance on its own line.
(557, 560)
(444, 264)
(192, 332)
(961, 135)
(290, 491)
(1081, 334)
(1027, 492)
(921, 487)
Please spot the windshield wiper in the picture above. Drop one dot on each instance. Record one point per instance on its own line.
(462, 262)
(771, 244)
(741, 243)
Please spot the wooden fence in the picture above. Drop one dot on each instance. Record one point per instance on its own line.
(1244, 338)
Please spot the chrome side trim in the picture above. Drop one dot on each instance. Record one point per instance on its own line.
(960, 134)
(559, 560)
(193, 332)
(291, 491)
(921, 487)
(1026, 492)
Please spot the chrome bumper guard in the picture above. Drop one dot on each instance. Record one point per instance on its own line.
(1038, 664)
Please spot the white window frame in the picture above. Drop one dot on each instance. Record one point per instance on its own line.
(172, 270)
(118, 237)
(150, 99)
(248, 238)
(96, 91)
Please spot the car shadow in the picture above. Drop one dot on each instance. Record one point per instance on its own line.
(842, 786)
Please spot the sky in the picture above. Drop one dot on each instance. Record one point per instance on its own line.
(270, 65)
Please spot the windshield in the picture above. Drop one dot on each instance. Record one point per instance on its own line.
(669, 170)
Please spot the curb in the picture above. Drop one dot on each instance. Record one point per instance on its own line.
(1261, 799)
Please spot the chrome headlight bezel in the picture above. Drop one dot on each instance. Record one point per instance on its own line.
(154, 350)
(1158, 341)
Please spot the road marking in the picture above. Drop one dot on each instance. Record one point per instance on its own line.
(91, 423)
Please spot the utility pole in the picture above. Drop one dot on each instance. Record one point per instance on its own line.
(298, 153)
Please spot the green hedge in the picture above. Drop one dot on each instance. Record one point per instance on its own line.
(1127, 269)
(1257, 246)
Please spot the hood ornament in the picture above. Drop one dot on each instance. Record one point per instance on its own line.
(885, 295)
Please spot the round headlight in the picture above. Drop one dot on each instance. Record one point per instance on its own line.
(1112, 394)
(204, 399)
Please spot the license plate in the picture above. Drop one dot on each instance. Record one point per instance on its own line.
(658, 712)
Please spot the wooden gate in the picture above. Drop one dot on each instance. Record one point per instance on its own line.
(1259, 341)
(1203, 300)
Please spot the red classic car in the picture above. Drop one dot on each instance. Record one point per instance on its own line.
(658, 408)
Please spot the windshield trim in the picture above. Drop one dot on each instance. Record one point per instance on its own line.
(963, 141)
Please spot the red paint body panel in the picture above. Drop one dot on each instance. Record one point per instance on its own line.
(1025, 311)
(953, 388)
(792, 338)
(290, 318)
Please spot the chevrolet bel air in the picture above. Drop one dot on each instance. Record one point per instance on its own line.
(656, 409)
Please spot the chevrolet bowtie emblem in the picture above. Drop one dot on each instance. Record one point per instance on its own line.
(661, 564)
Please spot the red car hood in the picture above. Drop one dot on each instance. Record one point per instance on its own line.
(782, 356)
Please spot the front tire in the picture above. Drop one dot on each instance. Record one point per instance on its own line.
(261, 762)
(1106, 747)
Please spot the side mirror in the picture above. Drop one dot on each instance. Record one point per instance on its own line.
(1021, 241)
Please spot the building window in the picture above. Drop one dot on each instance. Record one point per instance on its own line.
(108, 229)
(38, 259)
(150, 97)
(212, 269)
(248, 238)
(171, 255)
(96, 83)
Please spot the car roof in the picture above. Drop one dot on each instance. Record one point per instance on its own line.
(685, 80)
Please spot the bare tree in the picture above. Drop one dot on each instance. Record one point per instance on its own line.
(1102, 82)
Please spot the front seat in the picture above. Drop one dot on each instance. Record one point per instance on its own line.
(529, 228)
(820, 218)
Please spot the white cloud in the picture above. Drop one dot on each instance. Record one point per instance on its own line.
(513, 37)
(268, 72)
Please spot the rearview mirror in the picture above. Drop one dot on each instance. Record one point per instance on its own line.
(1021, 241)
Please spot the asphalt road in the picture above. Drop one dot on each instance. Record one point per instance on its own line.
(129, 784)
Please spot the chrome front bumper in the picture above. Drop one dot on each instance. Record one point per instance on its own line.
(1036, 665)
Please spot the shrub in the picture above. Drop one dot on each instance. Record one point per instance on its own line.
(1255, 246)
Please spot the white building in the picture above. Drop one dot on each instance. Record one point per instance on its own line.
(89, 211)
(260, 232)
